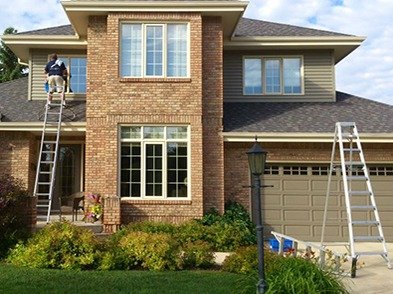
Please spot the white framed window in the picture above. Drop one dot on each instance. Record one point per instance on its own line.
(154, 50)
(264, 75)
(76, 67)
(154, 162)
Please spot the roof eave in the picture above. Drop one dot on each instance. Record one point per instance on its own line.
(301, 137)
(69, 127)
(79, 11)
(21, 44)
(342, 45)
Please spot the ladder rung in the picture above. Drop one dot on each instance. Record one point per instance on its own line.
(351, 149)
(367, 238)
(42, 205)
(348, 136)
(43, 183)
(353, 163)
(41, 194)
(48, 151)
(50, 142)
(365, 223)
(47, 161)
(45, 172)
(371, 253)
(363, 207)
(57, 113)
(356, 178)
(359, 193)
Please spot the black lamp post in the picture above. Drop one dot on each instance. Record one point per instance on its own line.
(256, 160)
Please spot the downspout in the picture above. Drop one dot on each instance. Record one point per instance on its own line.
(22, 63)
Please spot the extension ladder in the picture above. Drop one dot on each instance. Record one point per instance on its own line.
(47, 160)
(358, 193)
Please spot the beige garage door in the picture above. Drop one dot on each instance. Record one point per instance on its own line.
(294, 206)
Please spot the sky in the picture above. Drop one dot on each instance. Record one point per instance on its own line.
(366, 72)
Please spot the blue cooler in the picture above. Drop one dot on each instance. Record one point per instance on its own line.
(274, 244)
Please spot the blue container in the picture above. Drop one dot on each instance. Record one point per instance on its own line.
(273, 244)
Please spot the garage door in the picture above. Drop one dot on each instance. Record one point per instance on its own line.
(295, 205)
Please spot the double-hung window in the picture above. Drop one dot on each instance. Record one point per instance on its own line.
(76, 66)
(154, 50)
(272, 75)
(154, 162)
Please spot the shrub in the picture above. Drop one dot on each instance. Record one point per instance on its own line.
(12, 226)
(198, 254)
(192, 231)
(283, 274)
(152, 251)
(59, 245)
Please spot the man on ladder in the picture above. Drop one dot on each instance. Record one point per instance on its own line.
(55, 70)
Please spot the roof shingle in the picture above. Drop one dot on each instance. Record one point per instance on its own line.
(308, 117)
(14, 106)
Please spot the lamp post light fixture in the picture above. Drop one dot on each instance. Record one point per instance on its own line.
(256, 160)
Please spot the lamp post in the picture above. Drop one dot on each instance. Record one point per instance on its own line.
(256, 160)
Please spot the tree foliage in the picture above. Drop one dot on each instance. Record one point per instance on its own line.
(10, 69)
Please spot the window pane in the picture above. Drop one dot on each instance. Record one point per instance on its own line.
(130, 167)
(153, 132)
(130, 132)
(154, 170)
(177, 50)
(272, 76)
(252, 76)
(131, 50)
(154, 50)
(177, 169)
(176, 132)
(292, 75)
(77, 82)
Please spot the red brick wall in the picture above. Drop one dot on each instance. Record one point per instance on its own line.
(213, 144)
(112, 101)
(17, 157)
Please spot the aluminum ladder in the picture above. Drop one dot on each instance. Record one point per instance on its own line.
(47, 160)
(358, 193)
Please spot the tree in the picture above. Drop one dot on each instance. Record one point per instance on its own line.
(10, 69)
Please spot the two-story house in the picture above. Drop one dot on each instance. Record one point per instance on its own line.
(168, 97)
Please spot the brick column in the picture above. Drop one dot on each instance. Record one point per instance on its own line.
(111, 214)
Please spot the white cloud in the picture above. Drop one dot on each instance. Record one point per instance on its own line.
(26, 15)
(368, 71)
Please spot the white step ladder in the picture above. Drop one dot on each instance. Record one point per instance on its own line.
(358, 193)
(47, 160)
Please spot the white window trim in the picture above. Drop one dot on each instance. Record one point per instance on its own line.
(68, 56)
(164, 142)
(164, 49)
(263, 58)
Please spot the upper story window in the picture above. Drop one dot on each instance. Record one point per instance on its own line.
(154, 50)
(154, 162)
(76, 66)
(272, 75)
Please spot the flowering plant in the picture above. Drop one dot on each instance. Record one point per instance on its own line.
(94, 211)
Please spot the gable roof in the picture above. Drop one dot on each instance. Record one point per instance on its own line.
(246, 28)
(64, 30)
(308, 117)
(14, 106)
(252, 27)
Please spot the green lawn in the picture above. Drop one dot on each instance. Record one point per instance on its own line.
(23, 280)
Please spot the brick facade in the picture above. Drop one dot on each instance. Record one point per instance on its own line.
(237, 170)
(112, 101)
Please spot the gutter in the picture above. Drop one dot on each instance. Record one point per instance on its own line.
(300, 137)
(37, 126)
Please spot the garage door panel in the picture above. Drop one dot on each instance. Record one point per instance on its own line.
(295, 205)
(296, 200)
(299, 230)
(319, 200)
(297, 215)
(299, 185)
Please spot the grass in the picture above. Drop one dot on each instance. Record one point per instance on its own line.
(24, 280)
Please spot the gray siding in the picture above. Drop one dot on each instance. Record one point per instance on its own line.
(318, 80)
(39, 58)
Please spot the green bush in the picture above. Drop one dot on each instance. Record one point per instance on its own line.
(283, 274)
(192, 231)
(198, 254)
(59, 245)
(141, 250)
(12, 226)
